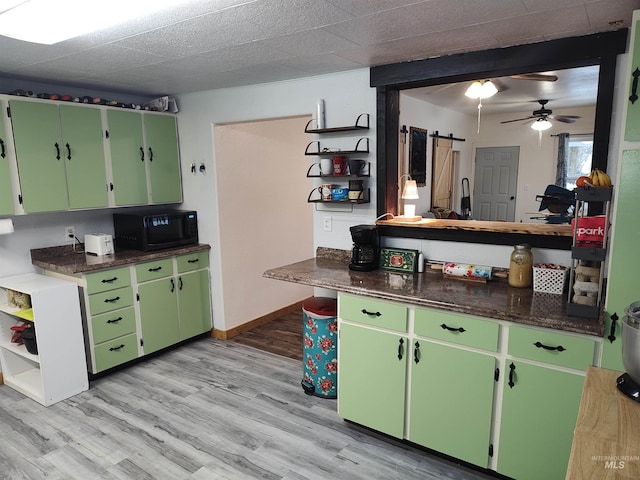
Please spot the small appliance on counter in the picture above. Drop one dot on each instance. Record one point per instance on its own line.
(98, 244)
(155, 231)
(365, 254)
(629, 382)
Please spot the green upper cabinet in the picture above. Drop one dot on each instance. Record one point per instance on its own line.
(128, 159)
(632, 126)
(6, 192)
(39, 152)
(60, 155)
(451, 391)
(371, 383)
(539, 411)
(193, 303)
(624, 262)
(84, 157)
(161, 139)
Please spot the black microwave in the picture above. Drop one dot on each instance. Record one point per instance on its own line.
(155, 231)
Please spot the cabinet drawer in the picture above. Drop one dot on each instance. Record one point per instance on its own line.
(152, 270)
(111, 300)
(115, 352)
(551, 347)
(108, 280)
(193, 261)
(377, 313)
(113, 324)
(456, 328)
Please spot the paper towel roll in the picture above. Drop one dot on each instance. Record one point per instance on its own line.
(6, 226)
(320, 113)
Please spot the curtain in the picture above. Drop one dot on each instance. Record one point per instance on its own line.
(561, 165)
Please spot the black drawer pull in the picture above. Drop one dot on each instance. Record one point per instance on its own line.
(115, 320)
(416, 353)
(451, 329)
(109, 280)
(155, 269)
(115, 349)
(512, 369)
(193, 261)
(111, 300)
(400, 349)
(371, 314)
(559, 348)
(141, 154)
(612, 332)
(634, 86)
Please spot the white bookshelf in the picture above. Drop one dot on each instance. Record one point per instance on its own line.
(59, 370)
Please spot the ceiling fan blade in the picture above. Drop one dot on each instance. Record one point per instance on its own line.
(565, 118)
(539, 77)
(518, 119)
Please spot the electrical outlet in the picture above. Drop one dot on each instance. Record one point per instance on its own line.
(70, 234)
(327, 223)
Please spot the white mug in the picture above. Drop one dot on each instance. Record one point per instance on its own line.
(326, 166)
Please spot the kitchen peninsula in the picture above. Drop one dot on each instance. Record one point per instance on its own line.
(481, 372)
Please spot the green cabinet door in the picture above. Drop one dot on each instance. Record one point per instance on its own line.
(624, 261)
(84, 157)
(632, 124)
(194, 305)
(6, 192)
(159, 314)
(128, 158)
(372, 368)
(450, 407)
(164, 162)
(538, 418)
(39, 152)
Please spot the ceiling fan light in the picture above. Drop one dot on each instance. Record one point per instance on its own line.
(541, 124)
(481, 89)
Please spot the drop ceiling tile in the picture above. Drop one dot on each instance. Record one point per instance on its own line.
(320, 64)
(605, 11)
(364, 7)
(309, 42)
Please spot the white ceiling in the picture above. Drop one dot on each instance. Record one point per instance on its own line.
(208, 44)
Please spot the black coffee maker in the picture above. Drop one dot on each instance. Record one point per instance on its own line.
(366, 248)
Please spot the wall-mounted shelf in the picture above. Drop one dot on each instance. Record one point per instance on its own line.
(311, 173)
(364, 198)
(357, 150)
(348, 128)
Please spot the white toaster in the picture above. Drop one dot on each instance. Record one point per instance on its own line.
(98, 244)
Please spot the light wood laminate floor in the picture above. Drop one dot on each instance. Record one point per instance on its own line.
(206, 410)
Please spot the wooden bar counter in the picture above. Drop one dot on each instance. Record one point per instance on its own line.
(606, 441)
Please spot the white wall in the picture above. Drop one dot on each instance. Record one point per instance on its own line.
(346, 95)
(264, 223)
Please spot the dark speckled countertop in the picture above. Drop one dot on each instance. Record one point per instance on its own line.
(494, 299)
(64, 259)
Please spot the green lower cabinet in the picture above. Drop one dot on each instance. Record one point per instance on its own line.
(450, 407)
(193, 303)
(539, 414)
(372, 369)
(159, 314)
(6, 193)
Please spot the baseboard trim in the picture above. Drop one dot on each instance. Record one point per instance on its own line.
(245, 327)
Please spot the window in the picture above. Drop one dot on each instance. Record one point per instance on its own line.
(578, 159)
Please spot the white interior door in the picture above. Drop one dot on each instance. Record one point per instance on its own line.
(495, 183)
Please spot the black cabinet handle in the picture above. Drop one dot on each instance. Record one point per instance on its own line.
(371, 314)
(57, 151)
(559, 348)
(612, 332)
(115, 320)
(400, 349)
(634, 86)
(68, 151)
(416, 352)
(451, 329)
(115, 349)
(111, 300)
(109, 280)
(179, 283)
(2, 147)
(155, 269)
(512, 369)
(173, 285)
(141, 154)
(150, 155)
(195, 260)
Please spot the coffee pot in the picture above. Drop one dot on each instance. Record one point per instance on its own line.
(366, 248)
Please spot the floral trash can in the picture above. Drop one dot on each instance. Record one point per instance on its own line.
(320, 342)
